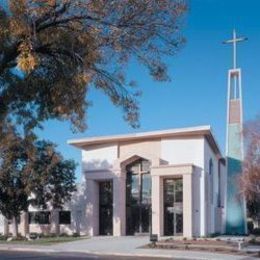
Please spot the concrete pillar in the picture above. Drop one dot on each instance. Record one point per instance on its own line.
(203, 204)
(6, 227)
(55, 221)
(119, 206)
(187, 205)
(157, 205)
(92, 209)
(24, 224)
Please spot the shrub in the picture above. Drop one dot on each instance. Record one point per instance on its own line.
(250, 226)
(2, 237)
(34, 235)
(63, 235)
(256, 231)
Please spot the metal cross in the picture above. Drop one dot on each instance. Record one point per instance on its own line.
(234, 42)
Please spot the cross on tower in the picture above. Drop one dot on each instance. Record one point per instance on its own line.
(234, 42)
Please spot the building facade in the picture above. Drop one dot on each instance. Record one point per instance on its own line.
(170, 183)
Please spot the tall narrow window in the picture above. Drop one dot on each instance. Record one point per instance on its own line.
(65, 217)
(219, 183)
(211, 178)
(138, 197)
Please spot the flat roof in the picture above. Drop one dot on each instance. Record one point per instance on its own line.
(143, 136)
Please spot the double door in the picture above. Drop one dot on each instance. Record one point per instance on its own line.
(173, 207)
(138, 203)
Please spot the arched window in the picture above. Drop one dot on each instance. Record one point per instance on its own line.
(138, 197)
(219, 183)
(211, 178)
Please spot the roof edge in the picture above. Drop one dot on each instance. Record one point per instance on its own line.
(141, 135)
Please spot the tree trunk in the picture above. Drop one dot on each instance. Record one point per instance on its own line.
(15, 227)
(6, 227)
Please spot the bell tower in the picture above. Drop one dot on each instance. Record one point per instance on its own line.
(235, 201)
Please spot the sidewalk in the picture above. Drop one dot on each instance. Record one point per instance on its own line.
(123, 246)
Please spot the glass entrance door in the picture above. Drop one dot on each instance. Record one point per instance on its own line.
(106, 208)
(173, 207)
(138, 198)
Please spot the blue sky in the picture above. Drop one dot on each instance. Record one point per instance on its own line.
(197, 93)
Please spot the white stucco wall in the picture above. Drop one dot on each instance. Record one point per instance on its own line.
(99, 157)
(183, 150)
(214, 213)
(190, 150)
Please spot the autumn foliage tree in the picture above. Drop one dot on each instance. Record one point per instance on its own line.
(53, 51)
(250, 180)
(32, 173)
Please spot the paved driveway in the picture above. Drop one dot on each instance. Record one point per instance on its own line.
(130, 245)
(119, 246)
(106, 244)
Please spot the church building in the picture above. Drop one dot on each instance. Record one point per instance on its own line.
(170, 182)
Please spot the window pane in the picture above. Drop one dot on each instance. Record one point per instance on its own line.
(106, 194)
(135, 188)
(39, 217)
(65, 217)
(178, 191)
(146, 188)
(145, 166)
(169, 192)
(133, 168)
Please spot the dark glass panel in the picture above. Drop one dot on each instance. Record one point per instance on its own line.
(178, 191)
(146, 188)
(169, 192)
(39, 217)
(145, 166)
(106, 194)
(173, 197)
(145, 218)
(135, 189)
(138, 198)
(168, 221)
(65, 217)
(179, 223)
(106, 208)
(134, 168)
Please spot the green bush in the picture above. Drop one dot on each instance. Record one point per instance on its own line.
(250, 226)
(34, 235)
(63, 235)
(214, 235)
(2, 237)
(256, 231)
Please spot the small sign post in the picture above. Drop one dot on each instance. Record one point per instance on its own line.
(153, 239)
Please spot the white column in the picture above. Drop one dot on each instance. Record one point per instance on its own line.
(187, 205)
(157, 206)
(92, 212)
(119, 206)
(55, 221)
(24, 225)
(6, 227)
(203, 205)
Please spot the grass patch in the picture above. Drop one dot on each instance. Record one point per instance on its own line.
(44, 241)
